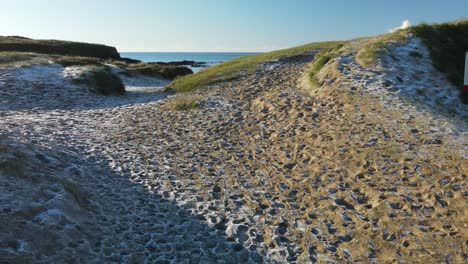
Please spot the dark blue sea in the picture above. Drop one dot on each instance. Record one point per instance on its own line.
(211, 58)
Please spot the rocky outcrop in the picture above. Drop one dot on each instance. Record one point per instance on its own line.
(59, 47)
(186, 63)
(154, 69)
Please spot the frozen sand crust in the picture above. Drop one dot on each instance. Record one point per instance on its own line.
(264, 171)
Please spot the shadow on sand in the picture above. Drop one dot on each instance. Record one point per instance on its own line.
(113, 220)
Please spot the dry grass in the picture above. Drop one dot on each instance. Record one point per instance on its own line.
(20, 59)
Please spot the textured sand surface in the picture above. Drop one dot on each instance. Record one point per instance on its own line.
(262, 171)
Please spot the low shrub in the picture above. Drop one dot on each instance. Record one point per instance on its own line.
(102, 81)
(107, 83)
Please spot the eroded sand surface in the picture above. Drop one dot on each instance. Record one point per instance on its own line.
(262, 172)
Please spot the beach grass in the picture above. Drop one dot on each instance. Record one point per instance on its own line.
(18, 59)
(321, 59)
(368, 52)
(233, 68)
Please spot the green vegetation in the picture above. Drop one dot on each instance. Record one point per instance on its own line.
(66, 48)
(320, 60)
(447, 44)
(20, 51)
(67, 61)
(103, 81)
(107, 83)
(17, 59)
(367, 54)
(156, 70)
(232, 69)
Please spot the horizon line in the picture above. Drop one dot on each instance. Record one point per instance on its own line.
(192, 51)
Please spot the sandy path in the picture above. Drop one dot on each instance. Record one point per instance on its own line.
(130, 223)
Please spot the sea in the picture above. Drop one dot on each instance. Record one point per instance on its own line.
(211, 58)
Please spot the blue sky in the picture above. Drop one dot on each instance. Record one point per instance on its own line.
(216, 25)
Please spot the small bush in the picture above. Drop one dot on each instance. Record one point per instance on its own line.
(104, 82)
(108, 83)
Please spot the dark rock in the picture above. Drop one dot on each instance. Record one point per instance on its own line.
(128, 60)
(185, 63)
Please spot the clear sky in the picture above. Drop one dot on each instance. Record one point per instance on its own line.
(216, 25)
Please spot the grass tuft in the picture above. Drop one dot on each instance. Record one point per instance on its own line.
(367, 54)
(322, 58)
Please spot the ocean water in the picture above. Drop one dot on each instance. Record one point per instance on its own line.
(211, 58)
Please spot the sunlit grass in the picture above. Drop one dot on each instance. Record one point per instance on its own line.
(322, 58)
(233, 68)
